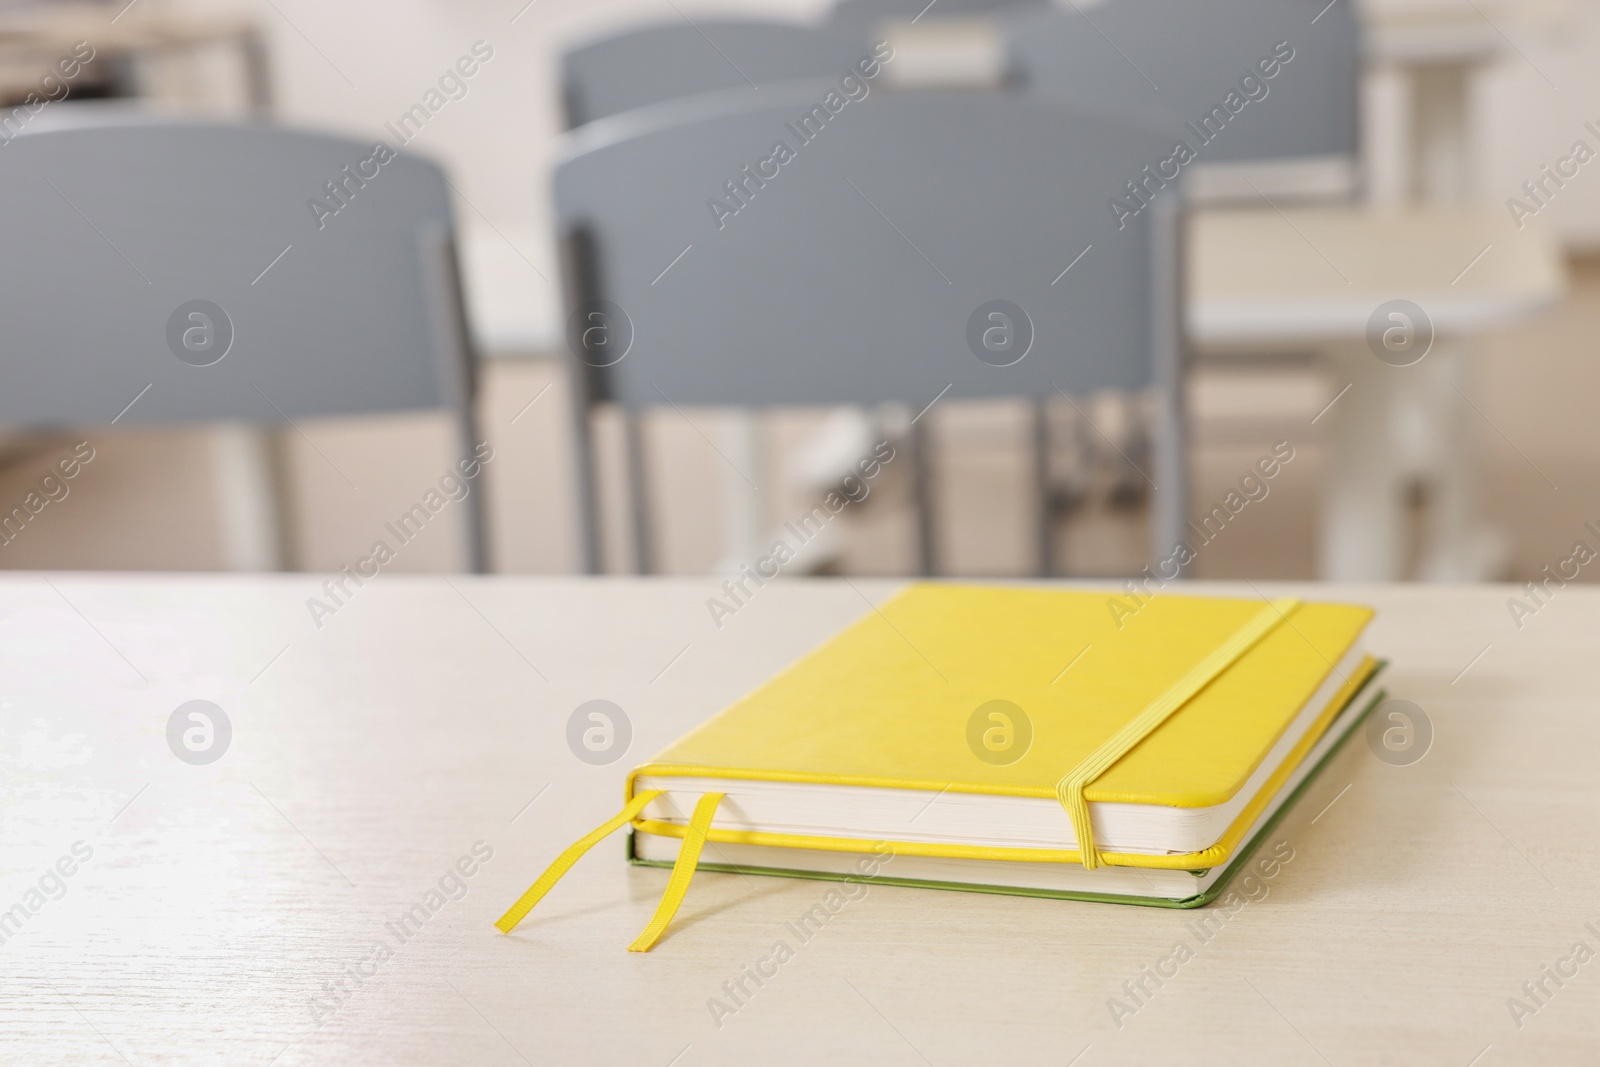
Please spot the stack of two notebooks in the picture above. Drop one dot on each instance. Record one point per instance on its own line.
(1078, 745)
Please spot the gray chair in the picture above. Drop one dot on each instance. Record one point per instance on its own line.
(671, 60)
(1173, 59)
(1179, 59)
(858, 272)
(167, 271)
(872, 10)
(871, 13)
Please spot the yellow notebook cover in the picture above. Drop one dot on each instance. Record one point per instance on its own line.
(888, 702)
(1173, 701)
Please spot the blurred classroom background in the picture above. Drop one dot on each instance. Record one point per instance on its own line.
(1460, 104)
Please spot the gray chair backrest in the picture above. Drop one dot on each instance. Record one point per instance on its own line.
(675, 59)
(118, 225)
(869, 12)
(854, 272)
(1178, 59)
(1181, 59)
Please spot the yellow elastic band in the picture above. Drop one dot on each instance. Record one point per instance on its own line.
(1070, 789)
(682, 872)
(508, 922)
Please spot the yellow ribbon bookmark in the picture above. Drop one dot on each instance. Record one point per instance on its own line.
(682, 872)
(1070, 789)
(677, 885)
(508, 922)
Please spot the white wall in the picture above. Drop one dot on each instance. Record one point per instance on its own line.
(1533, 105)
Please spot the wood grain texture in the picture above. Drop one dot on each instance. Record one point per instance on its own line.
(371, 753)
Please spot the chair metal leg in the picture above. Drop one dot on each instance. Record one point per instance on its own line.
(454, 341)
(922, 494)
(588, 386)
(584, 478)
(1170, 503)
(257, 73)
(477, 509)
(1044, 514)
(638, 489)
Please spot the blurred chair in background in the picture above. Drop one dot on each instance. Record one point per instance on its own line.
(876, 265)
(1305, 144)
(859, 11)
(1217, 76)
(1296, 130)
(665, 61)
(670, 60)
(1287, 256)
(172, 271)
(1110, 55)
(661, 63)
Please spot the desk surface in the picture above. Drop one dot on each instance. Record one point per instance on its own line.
(222, 904)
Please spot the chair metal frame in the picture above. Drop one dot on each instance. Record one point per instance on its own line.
(584, 273)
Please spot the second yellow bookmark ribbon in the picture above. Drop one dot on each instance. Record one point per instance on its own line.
(682, 872)
(677, 885)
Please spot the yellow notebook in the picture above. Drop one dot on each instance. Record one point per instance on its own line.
(981, 737)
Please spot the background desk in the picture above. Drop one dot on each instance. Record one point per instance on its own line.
(1311, 278)
(425, 715)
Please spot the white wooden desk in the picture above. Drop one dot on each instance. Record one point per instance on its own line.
(370, 755)
(1312, 278)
